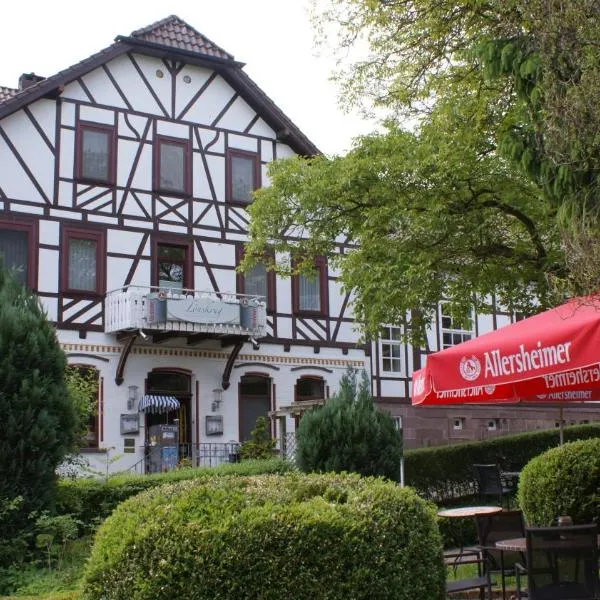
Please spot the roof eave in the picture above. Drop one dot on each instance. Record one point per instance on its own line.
(162, 50)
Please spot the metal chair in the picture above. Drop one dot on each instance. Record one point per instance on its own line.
(489, 483)
(562, 563)
(492, 528)
(477, 582)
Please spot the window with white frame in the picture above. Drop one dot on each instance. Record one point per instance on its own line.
(391, 349)
(458, 423)
(452, 331)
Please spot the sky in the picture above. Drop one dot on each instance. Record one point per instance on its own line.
(273, 37)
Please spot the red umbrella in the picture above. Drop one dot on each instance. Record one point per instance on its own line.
(552, 356)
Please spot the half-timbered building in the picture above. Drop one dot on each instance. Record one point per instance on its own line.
(124, 183)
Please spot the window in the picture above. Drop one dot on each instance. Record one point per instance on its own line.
(96, 152)
(83, 261)
(17, 250)
(173, 266)
(309, 292)
(310, 388)
(452, 332)
(391, 345)
(458, 423)
(397, 423)
(492, 425)
(172, 166)
(257, 281)
(243, 175)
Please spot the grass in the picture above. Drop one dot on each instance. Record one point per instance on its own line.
(56, 583)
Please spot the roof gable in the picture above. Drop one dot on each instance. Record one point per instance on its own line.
(176, 33)
(152, 40)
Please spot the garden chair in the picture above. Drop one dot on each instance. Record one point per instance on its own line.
(562, 563)
(492, 528)
(490, 483)
(479, 581)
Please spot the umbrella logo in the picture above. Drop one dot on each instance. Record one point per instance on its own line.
(489, 389)
(470, 368)
(419, 385)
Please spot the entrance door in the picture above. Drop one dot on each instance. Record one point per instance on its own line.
(255, 401)
(171, 383)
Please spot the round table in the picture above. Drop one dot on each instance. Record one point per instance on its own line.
(512, 544)
(469, 511)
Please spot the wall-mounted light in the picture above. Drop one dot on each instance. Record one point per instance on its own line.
(132, 393)
(217, 399)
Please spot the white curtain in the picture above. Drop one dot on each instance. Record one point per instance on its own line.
(255, 281)
(14, 253)
(172, 167)
(95, 155)
(82, 265)
(309, 293)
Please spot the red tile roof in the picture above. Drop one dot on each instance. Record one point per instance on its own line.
(6, 93)
(176, 33)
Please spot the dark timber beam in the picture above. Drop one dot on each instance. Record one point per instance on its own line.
(199, 337)
(230, 361)
(159, 338)
(123, 358)
(232, 340)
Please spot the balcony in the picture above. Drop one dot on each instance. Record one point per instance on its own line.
(184, 313)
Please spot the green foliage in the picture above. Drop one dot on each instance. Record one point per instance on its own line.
(54, 533)
(562, 481)
(270, 537)
(501, 161)
(82, 386)
(38, 425)
(91, 500)
(444, 473)
(348, 433)
(261, 445)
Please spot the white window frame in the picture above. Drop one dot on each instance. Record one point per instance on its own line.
(457, 334)
(458, 423)
(387, 339)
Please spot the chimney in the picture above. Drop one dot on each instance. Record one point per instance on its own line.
(28, 79)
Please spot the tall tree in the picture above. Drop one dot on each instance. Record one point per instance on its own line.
(484, 198)
(38, 425)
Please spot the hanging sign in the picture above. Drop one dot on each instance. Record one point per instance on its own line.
(203, 310)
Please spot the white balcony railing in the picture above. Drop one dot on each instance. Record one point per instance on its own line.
(185, 311)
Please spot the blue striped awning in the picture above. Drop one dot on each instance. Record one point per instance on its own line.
(153, 403)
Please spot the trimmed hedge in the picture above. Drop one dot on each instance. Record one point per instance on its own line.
(92, 500)
(333, 536)
(562, 481)
(444, 473)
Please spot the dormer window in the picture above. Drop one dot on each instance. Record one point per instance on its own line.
(96, 153)
(172, 166)
(243, 176)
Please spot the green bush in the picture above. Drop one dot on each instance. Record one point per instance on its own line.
(261, 445)
(92, 500)
(348, 433)
(333, 536)
(562, 481)
(444, 473)
(38, 424)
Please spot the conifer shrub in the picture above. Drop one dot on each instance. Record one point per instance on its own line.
(38, 423)
(348, 433)
(562, 481)
(334, 536)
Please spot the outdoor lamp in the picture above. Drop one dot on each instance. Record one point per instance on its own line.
(217, 399)
(131, 396)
